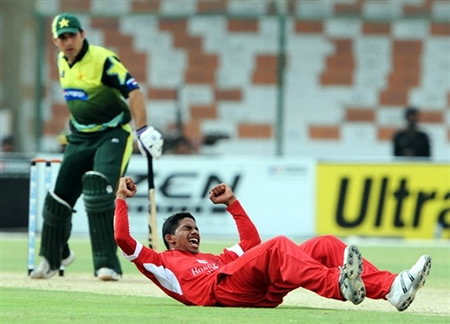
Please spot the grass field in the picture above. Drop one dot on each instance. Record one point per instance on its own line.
(79, 298)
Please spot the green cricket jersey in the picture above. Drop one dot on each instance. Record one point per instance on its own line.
(93, 89)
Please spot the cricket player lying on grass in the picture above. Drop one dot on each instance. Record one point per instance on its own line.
(255, 274)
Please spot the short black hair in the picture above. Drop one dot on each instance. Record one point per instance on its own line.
(171, 224)
(8, 140)
(410, 111)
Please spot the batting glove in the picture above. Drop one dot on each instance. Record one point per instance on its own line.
(150, 141)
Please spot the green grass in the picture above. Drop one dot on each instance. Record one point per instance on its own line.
(41, 306)
(13, 253)
(21, 305)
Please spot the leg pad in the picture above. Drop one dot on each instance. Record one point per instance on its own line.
(98, 198)
(57, 215)
(98, 194)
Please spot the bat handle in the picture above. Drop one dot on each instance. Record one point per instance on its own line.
(151, 181)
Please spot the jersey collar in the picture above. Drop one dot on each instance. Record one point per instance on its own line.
(80, 55)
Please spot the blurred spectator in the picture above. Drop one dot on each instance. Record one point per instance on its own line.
(180, 145)
(183, 146)
(212, 139)
(411, 141)
(8, 144)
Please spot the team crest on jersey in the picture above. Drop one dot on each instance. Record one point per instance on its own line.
(63, 73)
(75, 94)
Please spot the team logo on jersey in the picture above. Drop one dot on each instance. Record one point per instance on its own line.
(132, 84)
(75, 94)
(202, 261)
(62, 73)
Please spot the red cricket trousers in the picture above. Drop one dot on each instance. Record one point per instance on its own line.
(268, 272)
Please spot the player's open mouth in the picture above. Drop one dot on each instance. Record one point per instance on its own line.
(194, 242)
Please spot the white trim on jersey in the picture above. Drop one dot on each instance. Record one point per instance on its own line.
(166, 278)
(236, 249)
(137, 250)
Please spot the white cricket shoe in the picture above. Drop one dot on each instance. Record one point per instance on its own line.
(350, 282)
(43, 270)
(68, 261)
(107, 274)
(405, 285)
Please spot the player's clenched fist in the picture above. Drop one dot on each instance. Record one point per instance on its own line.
(126, 188)
(130, 185)
(222, 194)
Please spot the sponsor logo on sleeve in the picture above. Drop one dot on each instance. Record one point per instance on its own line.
(132, 84)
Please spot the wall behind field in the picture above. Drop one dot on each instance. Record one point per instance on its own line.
(350, 69)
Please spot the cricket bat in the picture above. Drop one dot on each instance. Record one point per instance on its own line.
(153, 241)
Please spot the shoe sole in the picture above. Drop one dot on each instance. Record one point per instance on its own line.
(104, 274)
(425, 272)
(108, 278)
(418, 283)
(47, 275)
(353, 267)
(65, 262)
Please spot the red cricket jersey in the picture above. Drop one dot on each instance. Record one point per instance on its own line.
(187, 277)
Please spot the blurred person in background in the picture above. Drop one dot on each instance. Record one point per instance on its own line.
(98, 148)
(411, 142)
(7, 144)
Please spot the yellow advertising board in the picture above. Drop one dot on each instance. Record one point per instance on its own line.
(384, 200)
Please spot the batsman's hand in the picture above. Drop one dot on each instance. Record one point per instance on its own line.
(126, 188)
(150, 141)
(222, 194)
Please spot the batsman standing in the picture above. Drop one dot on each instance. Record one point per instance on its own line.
(94, 83)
